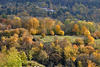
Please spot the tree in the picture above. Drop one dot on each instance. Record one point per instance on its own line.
(11, 58)
(16, 22)
(57, 29)
(83, 28)
(76, 29)
(33, 31)
(89, 40)
(23, 57)
(61, 33)
(33, 23)
(79, 41)
(43, 57)
(69, 52)
(49, 23)
(52, 33)
(87, 33)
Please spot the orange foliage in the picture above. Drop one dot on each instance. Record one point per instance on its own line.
(52, 33)
(76, 29)
(83, 28)
(87, 33)
(90, 40)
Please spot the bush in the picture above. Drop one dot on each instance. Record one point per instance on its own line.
(7, 33)
(79, 41)
(43, 57)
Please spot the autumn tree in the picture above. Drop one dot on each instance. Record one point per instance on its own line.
(87, 33)
(16, 23)
(76, 29)
(57, 29)
(83, 28)
(49, 23)
(52, 33)
(33, 23)
(61, 32)
(69, 52)
(89, 40)
(33, 31)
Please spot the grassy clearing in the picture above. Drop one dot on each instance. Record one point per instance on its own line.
(51, 38)
(70, 38)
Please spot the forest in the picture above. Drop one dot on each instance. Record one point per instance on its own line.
(50, 33)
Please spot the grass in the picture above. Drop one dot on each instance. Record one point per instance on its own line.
(51, 38)
(70, 38)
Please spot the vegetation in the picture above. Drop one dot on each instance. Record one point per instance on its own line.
(50, 33)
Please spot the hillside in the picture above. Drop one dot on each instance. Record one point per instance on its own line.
(88, 10)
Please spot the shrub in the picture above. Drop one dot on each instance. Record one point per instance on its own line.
(15, 31)
(79, 41)
(43, 57)
(7, 33)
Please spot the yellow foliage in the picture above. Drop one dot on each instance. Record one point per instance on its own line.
(90, 23)
(49, 23)
(17, 19)
(52, 33)
(87, 33)
(73, 58)
(33, 23)
(69, 52)
(57, 29)
(61, 32)
(33, 31)
(90, 40)
(41, 45)
(91, 64)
